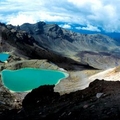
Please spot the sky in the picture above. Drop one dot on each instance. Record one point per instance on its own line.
(89, 14)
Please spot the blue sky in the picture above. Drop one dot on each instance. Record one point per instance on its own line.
(92, 14)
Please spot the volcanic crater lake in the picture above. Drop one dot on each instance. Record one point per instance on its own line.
(4, 57)
(29, 78)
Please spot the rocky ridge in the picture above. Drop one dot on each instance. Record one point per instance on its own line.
(97, 50)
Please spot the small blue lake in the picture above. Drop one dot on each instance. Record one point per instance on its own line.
(29, 78)
(4, 57)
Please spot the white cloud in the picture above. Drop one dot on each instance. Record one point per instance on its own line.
(98, 13)
(20, 19)
(66, 26)
(89, 27)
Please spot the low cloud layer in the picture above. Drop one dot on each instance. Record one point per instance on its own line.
(89, 27)
(94, 14)
(66, 26)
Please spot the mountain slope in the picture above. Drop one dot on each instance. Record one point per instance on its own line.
(71, 44)
(52, 36)
(21, 43)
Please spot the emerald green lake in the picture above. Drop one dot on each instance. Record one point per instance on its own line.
(4, 57)
(29, 78)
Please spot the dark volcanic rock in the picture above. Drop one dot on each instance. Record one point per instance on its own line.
(81, 104)
(41, 96)
(100, 101)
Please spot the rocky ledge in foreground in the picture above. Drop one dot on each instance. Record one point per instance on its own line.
(101, 100)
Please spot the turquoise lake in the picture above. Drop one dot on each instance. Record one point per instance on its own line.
(4, 57)
(29, 78)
